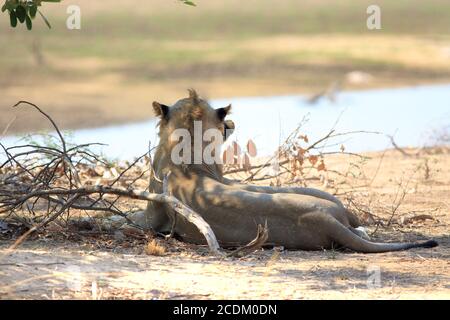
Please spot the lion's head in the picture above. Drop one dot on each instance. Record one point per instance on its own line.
(193, 121)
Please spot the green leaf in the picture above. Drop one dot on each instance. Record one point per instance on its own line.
(21, 13)
(45, 19)
(190, 3)
(28, 22)
(13, 19)
(4, 7)
(33, 10)
(11, 5)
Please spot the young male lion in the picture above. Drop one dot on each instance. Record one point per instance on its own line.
(297, 218)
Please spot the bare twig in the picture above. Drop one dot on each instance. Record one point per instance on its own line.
(63, 142)
(8, 125)
(40, 174)
(261, 238)
(401, 150)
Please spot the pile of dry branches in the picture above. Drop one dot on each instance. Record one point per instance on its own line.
(47, 182)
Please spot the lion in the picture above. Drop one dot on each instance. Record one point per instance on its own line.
(296, 217)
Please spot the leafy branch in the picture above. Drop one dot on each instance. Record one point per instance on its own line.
(24, 11)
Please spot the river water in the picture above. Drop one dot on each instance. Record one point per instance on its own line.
(411, 114)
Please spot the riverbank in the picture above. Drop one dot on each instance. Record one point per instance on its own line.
(414, 116)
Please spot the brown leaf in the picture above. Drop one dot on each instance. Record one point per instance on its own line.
(246, 164)
(313, 159)
(228, 155)
(236, 149)
(300, 153)
(304, 138)
(321, 166)
(251, 148)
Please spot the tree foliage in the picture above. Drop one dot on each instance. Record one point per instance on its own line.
(24, 11)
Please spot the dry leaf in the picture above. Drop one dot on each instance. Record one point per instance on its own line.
(304, 138)
(313, 159)
(251, 148)
(321, 166)
(246, 163)
(98, 170)
(300, 153)
(236, 149)
(228, 155)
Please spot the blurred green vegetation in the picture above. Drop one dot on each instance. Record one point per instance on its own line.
(129, 32)
(225, 47)
(24, 11)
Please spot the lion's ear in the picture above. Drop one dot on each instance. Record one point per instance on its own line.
(161, 110)
(229, 128)
(222, 112)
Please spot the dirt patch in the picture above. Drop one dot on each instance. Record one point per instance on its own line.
(71, 271)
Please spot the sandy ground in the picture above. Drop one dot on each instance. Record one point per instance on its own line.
(70, 271)
(68, 268)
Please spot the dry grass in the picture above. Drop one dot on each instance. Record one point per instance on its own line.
(153, 248)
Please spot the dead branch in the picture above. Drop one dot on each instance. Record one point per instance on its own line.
(48, 117)
(401, 150)
(291, 152)
(330, 93)
(8, 125)
(261, 237)
(75, 194)
(51, 178)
